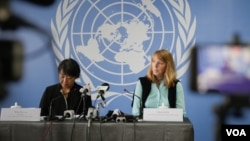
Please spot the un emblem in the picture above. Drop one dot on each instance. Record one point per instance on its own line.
(113, 40)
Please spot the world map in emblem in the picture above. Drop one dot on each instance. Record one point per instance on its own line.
(121, 35)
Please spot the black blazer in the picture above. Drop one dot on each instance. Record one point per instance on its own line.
(53, 96)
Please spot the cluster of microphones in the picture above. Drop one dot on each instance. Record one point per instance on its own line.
(92, 111)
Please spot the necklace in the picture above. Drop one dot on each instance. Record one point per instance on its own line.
(65, 94)
(158, 82)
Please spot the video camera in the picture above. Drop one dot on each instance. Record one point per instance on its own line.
(221, 68)
(11, 50)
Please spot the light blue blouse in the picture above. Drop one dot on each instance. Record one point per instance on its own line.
(157, 97)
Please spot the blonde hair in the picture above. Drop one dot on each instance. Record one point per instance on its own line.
(170, 72)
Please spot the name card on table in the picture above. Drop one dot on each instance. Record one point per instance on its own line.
(20, 114)
(162, 114)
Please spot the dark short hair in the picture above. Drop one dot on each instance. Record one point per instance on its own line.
(69, 67)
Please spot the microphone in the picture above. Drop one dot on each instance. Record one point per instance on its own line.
(68, 114)
(125, 90)
(134, 95)
(103, 98)
(101, 91)
(51, 114)
(92, 113)
(84, 90)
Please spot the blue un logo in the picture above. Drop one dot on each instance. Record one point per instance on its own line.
(113, 40)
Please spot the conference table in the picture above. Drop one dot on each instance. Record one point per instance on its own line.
(69, 130)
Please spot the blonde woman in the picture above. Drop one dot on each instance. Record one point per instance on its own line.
(160, 87)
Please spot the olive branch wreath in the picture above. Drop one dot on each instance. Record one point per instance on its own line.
(186, 34)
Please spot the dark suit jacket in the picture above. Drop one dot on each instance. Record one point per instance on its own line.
(53, 100)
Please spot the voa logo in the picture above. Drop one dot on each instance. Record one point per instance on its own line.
(236, 132)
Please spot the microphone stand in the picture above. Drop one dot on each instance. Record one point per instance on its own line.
(89, 125)
(51, 113)
(100, 104)
(50, 110)
(101, 91)
(141, 106)
(82, 115)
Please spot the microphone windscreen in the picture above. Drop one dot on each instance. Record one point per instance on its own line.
(82, 90)
(106, 84)
(86, 89)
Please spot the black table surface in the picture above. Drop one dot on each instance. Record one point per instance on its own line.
(69, 130)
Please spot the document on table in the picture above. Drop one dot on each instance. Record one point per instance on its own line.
(20, 114)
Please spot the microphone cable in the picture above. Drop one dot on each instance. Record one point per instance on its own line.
(134, 125)
(100, 128)
(88, 129)
(134, 131)
(45, 133)
(74, 119)
(73, 127)
(72, 130)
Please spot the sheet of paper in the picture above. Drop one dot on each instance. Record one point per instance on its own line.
(20, 114)
(162, 114)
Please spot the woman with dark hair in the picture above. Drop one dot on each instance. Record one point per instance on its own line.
(66, 94)
(160, 87)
